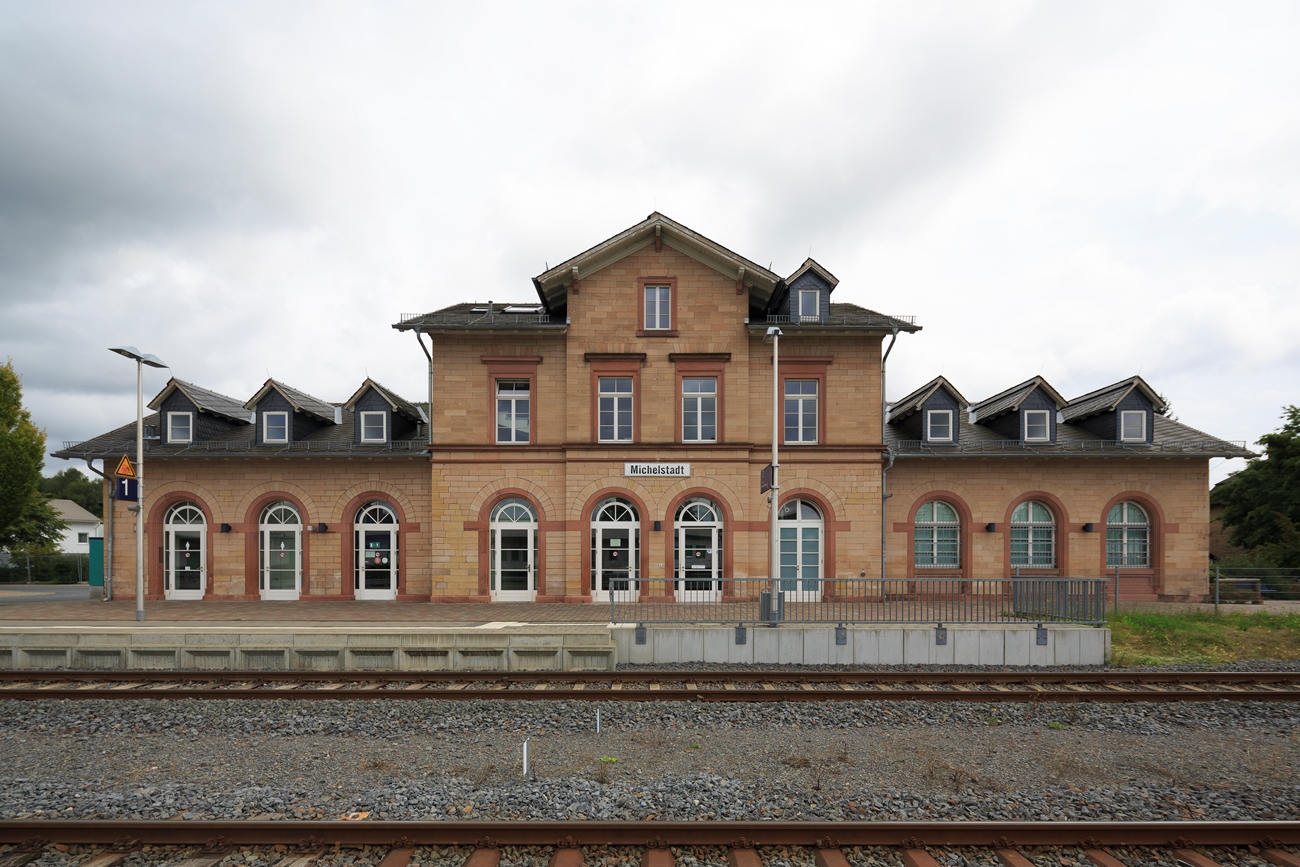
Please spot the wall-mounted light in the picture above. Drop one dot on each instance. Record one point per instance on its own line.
(225, 528)
(321, 528)
(1087, 528)
(990, 528)
(658, 526)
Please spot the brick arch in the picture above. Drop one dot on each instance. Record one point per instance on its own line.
(1156, 530)
(964, 532)
(347, 527)
(484, 522)
(345, 504)
(830, 526)
(735, 506)
(584, 501)
(1062, 516)
(252, 518)
(530, 491)
(826, 493)
(300, 496)
(728, 524)
(153, 529)
(589, 508)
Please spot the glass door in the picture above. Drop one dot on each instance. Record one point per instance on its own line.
(377, 578)
(800, 525)
(184, 560)
(615, 552)
(514, 566)
(697, 564)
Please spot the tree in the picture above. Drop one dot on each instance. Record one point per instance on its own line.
(1262, 502)
(72, 484)
(26, 519)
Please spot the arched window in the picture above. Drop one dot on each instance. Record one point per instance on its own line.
(1128, 536)
(936, 536)
(376, 556)
(615, 550)
(800, 526)
(1033, 536)
(280, 552)
(697, 551)
(512, 551)
(185, 562)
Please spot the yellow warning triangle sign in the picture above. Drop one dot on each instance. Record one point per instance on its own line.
(124, 469)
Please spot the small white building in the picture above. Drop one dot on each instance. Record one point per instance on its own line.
(81, 526)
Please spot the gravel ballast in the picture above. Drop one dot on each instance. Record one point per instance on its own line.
(862, 760)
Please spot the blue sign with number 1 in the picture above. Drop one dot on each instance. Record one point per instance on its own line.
(128, 489)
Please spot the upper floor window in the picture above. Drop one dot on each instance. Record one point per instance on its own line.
(658, 308)
(810, 305)
(1038, 427)
(938, 425)
(275, 427)
(1033, 535)
(615, 409)
(801, 410)
(700, 409)
(512, 410)
(1133, 426)
(374, 427)
(180, 427)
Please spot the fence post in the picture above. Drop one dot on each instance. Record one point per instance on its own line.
(29, 568)
(1117, 591)
(1216, 589)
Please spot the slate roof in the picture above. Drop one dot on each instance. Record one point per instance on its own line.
(841, 316)
(811, 264)
(205, 399)
(902, 408)
(481, 315)
(1106, 399)
(399, 404)
(1010, 400)
(299, 400)
(332, 440)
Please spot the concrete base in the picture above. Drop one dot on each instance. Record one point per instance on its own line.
(487, 647)
(998, 644)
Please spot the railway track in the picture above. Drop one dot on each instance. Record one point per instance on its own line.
(206, 843)
(1090, 686)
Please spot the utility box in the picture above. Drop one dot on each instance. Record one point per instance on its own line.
(96, 561)
(765, 607)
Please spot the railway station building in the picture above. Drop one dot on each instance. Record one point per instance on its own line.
(608, 434)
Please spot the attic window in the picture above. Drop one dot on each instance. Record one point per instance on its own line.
(374, 427)
(1037, 426)
(1133, 426)
(275, 427)
(938, 425)
(479, 310)
(524, 308)
(810, 305)
(180, 427)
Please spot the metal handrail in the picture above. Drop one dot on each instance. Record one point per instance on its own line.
(483, 320)
(870, 320)
(1072, 445)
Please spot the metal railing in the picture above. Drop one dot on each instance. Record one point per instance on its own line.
(861, 600)
(482, 319)
(1195, 446)
(869, 320)
(248, 447)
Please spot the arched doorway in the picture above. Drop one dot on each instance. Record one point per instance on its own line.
(185, 569)
(615, 551)
(801, 529)
(279, 546)
(697, 552)
(376, 556)
(512, 549)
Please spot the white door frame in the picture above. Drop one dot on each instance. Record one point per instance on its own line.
(375, 518)
(796, 583)
(615, 520)
(686, 570)
(269, 553)
(172, 550)
(514, 515)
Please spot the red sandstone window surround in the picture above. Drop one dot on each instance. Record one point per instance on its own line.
(657, 301)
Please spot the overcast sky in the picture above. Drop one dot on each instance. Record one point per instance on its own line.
(1080, 190)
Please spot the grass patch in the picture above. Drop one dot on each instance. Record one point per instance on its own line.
(1166, 638)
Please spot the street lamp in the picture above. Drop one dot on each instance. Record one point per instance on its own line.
(141, 360)
(773, 337)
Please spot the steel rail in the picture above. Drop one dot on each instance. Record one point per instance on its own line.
(654, 833)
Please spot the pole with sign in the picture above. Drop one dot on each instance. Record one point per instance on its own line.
(774, 554)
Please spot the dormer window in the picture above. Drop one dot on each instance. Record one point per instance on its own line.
(810, 305)
(374, 427)
(180, 427)
(938, 426)
(275, 427)
(1133, 426)
(1038, 427)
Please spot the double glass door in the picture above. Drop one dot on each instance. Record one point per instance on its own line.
(184, 560)
(697, 552)
(376, 555)
(615, 552)
(800, 527)
(513, 552)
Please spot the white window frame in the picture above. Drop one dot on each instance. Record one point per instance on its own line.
(383, 426)
(1142, 426)
(514, 398)
(658, 310)
(616, 398)
(700, 399)
(816, 315)
(929, 425)
(1047, 425)
(266, 418)
(801, 403)
(171, 430)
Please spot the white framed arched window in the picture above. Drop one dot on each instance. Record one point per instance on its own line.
(1033, 536)
(697, 551)
(1128, 536)
(801, 536)
(936, 537)
(615, 550)
(376, 555)
(512, 551)
(279, 546)
(185, 562)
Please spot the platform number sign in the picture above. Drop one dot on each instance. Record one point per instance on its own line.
(127, 489)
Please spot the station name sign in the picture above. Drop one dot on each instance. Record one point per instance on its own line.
(673, 470)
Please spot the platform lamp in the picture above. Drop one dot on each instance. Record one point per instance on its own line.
(773, 337)
(141, 359)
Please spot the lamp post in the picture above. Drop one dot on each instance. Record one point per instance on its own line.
(141, 359)
(773, 337)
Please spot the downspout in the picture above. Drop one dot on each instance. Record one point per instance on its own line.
(428, 355)
(887, 456)
(107, 593)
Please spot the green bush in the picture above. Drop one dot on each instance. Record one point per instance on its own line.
(47, 569)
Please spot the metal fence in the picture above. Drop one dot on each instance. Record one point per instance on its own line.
(1253, 584)
(861, 600)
